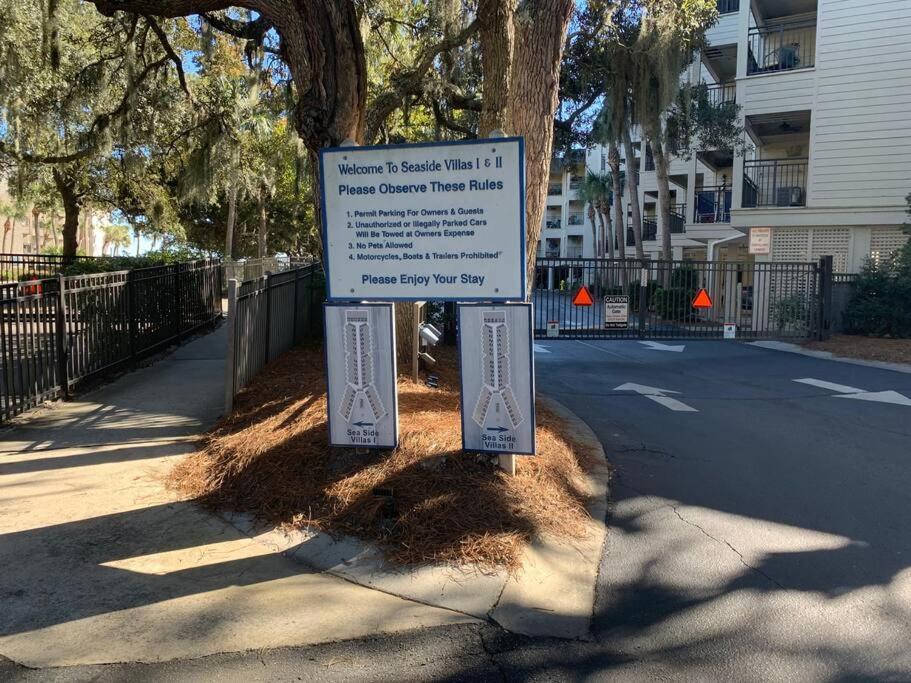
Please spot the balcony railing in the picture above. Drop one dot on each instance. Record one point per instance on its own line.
(781, 47)
(574, 253)
(552, 223)
(649, 229)
(576, 219)
(552, 253)
(649, 159)
(713, 204)
(728, 6)
(721, 94)
(678, 219)
(775, 182)
(554, 190)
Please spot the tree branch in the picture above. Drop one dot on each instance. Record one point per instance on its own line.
(409, 82)
(165, 8)
(166, 44)
(443, 120)
(246, 30)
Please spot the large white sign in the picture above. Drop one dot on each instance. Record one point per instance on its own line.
(425, 221)
(360, 363)
(760, 240)
(498, 384)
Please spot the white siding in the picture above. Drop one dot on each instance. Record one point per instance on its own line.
(777, 92)
(860, 141)
(725, 31)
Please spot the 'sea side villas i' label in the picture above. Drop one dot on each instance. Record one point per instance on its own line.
(425, 221)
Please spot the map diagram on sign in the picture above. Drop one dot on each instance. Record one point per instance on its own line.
(361, 402)
(496, 402)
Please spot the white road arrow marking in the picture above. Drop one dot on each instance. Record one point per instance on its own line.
(658, 346)
(853, 392)
(658, 396)
(880, 397)
(541, 349)
(831, 386)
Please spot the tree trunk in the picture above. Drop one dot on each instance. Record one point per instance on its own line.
(232, 218)
(613, 157)
(36, 228)
(664, 198)
(7, 226)
(66, 186)
(497, 35)
(136, 233)
(540, 31)
(263, 225)
(632, 181)
(596, 240)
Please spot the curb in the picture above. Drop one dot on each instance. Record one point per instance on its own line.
(787, 347)
(552, 595)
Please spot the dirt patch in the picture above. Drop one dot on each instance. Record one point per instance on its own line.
(427, 501)
(865, 348)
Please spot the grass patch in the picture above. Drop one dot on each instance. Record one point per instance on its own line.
(270, 457)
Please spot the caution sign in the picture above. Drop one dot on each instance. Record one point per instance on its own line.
(616, 311)
(583, 297)
(702, 300)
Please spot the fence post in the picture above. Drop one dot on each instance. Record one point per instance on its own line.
(643, 297)
(825, 297)
(230, 357)
(268, 277)
(131, 315)
(177, 316)
(60, 337)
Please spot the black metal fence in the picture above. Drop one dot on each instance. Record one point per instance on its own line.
(763, 300)
(56, 333)
(266, 317)
(16, 267)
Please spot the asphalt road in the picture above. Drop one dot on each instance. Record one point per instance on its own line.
(766, 533)
(760, 530)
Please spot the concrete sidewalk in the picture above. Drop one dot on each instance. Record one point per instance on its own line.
(100, 563)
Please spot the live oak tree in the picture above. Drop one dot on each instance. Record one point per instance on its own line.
(323, 46)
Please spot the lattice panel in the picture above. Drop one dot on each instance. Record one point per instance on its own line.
(790, 244)
(884, 242)
(832, 242)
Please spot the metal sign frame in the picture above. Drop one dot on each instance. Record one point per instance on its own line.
(465, 415)
(520, 292)
(395, 392)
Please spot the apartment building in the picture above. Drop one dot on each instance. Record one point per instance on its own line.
(824, 89)
(17, 229)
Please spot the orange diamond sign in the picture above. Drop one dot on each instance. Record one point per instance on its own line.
(583, 297)
(702, 300)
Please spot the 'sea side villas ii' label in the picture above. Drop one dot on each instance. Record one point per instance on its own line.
(425, 221)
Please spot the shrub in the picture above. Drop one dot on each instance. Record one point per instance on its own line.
(684, 277)
(790, 312)
(675, 303)
(881, 298)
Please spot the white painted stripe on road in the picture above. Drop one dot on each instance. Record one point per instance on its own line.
(541, 349)
(658, 346)
(880, 397)
(672, 404)
(831, 386)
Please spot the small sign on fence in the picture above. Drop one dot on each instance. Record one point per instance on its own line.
(616, 311)
(361, 375)
(730, 330)
(553, 328)
(498, 384)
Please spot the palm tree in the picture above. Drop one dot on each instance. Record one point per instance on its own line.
(590, 194)
(115, 237)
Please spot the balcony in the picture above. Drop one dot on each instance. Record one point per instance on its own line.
(721, 94)
(728, 6)
(575, 182)
(781, 47)
(576, 219)
(775, 182)
(554, 190)
(553, 223)
(575, 252)
(678, 219)
(649, 159)
(649, 228)
(713, 204)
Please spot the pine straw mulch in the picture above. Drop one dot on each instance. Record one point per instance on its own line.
(865, 348)
(425, 502)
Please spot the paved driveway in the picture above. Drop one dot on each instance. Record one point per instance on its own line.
(761, 526)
